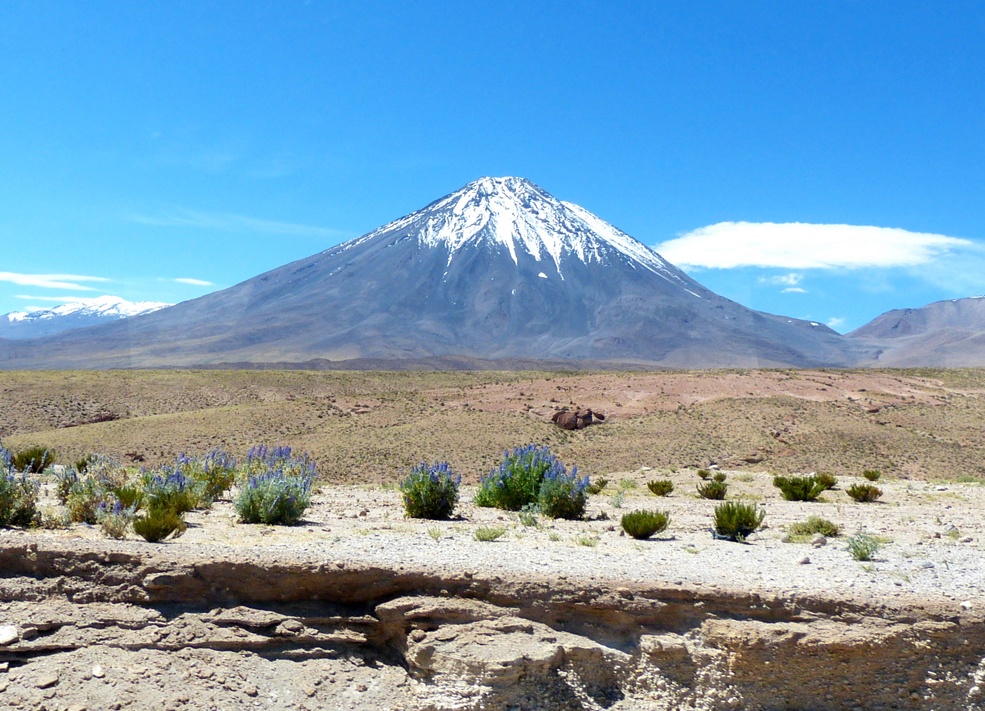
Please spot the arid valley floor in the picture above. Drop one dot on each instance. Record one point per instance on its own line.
(359, 607)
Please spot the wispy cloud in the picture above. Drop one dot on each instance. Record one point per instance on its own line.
(194, 282)
(793, 290)
(791, 279)
(52, 281)
(53, 299)
(797, 245)
(834, 322)
(231, 222)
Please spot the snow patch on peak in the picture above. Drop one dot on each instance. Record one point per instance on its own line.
(516, 215)
(103, 306)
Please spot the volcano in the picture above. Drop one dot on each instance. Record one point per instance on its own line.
(497, 270)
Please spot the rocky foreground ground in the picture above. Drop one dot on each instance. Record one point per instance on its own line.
(361, 608)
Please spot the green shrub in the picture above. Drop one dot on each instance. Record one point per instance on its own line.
(170, 489)
(863, 492)
(262, 459)
(158, 523)
(32, 460)
(660, 487)
(114, 519)
(715, 490)
(735, 520)
(274, 499)
(488, 533)
(825, 479)
(211, 475)
(719, 477)
(643, 524)
(18, 500)
(862, 546)
(815, 524)
(705, 474)
(430, 491)
(84, 498)
(798, 488)
(64, 481)
(82, 464)
(597, 487)
(130, 495)
(528, 515)
(517, 481)
(563, 495)
(871, 474)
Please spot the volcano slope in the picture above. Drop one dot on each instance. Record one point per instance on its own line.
(359, 607)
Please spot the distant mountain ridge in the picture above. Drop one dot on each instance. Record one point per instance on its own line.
(77, 314)
(498, 270)
(947, 333)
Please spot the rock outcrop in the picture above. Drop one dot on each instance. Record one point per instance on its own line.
(136, 626)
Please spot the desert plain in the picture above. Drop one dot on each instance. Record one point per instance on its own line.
(360, 607)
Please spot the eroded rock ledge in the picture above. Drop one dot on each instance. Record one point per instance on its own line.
(140, 626)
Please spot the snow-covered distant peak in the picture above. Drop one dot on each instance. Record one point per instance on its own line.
(102, 306)
(524, 219)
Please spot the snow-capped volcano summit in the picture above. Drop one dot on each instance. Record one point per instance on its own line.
(518, 215)
(499, 269)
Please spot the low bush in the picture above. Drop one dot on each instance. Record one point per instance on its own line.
(169, 488)
(562, 494)
(517, 481)
(430, 491)
(643, 524)
(64, 481)
(597, 487)
(274, 498)
(714, 490)
(735, 521)
(18, 500)
(262, 459)
(528, 515)
(158, 523)
(862, 546)
(32, 460)
(798, 488)
(488, 533)
(705, 474)
(872, 475)
(815, 524)
(212, 475)
(83, 463)
(114, 519)
(719, 477)
(825, 479)
(660, 487)
(864, 492)
(84, 498)
(130, 495)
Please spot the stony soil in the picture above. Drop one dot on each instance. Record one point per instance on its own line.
(361, 608)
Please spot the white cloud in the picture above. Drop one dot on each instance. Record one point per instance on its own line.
(194, 282)
(229, 222)
(791, 279)
(51, 281)
(797, 245)
(793, 290)
(834, 322)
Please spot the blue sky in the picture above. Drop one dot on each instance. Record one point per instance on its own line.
(160, 150)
